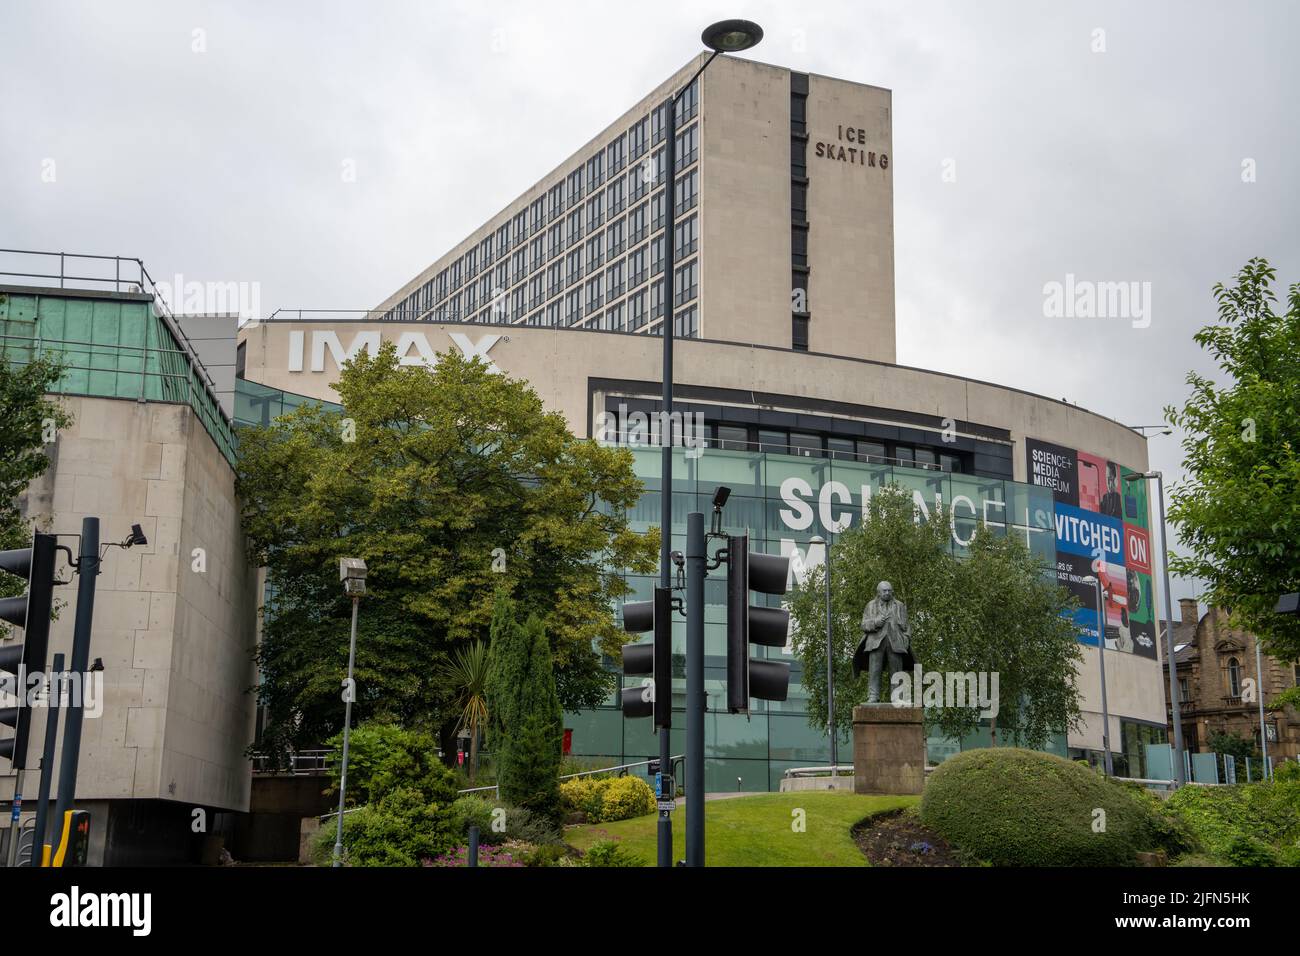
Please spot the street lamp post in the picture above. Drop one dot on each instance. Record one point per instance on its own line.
(352, 572)
(1101, 648)
(1286, 604)
(1259, 695)
(830, 659)
(1180, 773)
(726, 36)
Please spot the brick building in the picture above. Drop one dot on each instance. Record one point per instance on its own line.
(1216, 669)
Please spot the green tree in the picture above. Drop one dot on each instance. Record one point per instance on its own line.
(993, 611)
(383, 758)
(450, 482)
(1242, 748)
(28, 417)
(526, 719)
(889, 544)
(1017, 627)
(1237, 511)
(401, 828)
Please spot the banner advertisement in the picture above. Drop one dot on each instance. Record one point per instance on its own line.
(1101, 526)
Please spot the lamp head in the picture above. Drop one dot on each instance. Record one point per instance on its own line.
(352, 572)
(732, 36)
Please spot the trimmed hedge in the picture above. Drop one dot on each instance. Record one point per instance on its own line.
(606, 799)
(1014, 807)
(1254, 824)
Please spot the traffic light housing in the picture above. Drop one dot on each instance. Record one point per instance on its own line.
(652, 658)
(757, 624)
(74, 840)
(31, 612)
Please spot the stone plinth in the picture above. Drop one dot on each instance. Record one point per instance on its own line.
(888, 749)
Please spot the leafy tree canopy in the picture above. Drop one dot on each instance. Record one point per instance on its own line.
(1238, 510)
(996, 610)
(452, 483)
(526, 722)
(29, 419)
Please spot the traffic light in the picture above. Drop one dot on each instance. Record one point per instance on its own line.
(74, 840)
(31, 612)
(747, 623)
(653, 658)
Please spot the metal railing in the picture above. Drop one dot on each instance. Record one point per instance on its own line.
(331, 315)
(140, 282)
(827, 771)
(133, 284)
(26, 837)
(128, 362)
(1157, 784)
(620, 770)
(301, 763)
(651, 440)
(797, 773)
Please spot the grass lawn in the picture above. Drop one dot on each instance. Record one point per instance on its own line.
(757, 830)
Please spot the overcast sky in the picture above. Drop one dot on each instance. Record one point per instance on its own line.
(1031, 141)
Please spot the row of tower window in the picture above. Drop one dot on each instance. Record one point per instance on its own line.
(555, 215)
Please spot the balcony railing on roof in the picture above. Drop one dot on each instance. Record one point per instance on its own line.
(137, 280)
(165, 367)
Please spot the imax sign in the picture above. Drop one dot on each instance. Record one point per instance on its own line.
(413, 348)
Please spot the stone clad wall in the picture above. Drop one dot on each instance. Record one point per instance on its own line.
(175, 643)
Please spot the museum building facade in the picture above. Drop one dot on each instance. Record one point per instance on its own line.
(785, 368)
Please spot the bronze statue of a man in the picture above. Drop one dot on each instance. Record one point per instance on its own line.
(886, 638)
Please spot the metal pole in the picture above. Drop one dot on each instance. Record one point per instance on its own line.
(830, 671)
(87, 572)
(472, 853)
(1259, 693)
(1101, 647)
(1180, 774)
(15, 818)
(47, 763)
(347, 727)
(695, 558)
(665, 824)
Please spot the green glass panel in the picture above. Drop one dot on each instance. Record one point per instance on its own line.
(734, 735)
(792, 739)
(740, 471)
(596, 732)
(731, 775)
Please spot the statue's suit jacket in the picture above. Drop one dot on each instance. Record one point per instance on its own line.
(893, 632)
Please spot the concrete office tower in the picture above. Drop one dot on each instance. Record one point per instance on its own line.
(785, 223)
